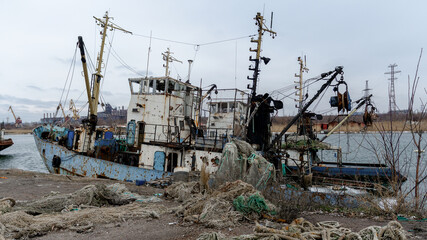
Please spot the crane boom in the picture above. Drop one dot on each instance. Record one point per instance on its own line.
(338, 70)
(18, 121)
(62, 109)
(13, 113)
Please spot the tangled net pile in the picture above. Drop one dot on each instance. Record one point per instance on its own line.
(240, 161)
(78, 211)
(214, 209)
(300, 229)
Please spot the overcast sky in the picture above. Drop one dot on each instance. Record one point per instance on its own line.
(39, 38)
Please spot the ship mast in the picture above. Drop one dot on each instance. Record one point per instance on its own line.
(302, 68)
(259, 112)
(93, 94)
(167, 57)
(92, 88)
(261, 29)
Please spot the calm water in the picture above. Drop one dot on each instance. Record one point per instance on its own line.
(363, 148)
(22, 154)
(355, 148)
(358, 147)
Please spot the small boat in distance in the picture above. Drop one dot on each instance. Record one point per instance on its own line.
(4, 143)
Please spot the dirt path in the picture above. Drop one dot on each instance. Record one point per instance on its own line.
(24, 186)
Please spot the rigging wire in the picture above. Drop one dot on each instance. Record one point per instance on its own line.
(81, 94)
(176, 70)
(193, 44)
(196, 50)
(108, 56)
(292, 86)
(90, 60)
(72, 77)
(323, 94)
(105, 68)
(123, 63)
(287, 96)
(163, 39)
(68, 77)
(226, 40)
(325, 111)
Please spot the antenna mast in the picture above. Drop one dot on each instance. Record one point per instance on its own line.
(366, 90)
(148, 55)
(167, 57)
(391, 92)
(302, 68)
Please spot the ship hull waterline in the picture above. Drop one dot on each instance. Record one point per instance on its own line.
(76, 164)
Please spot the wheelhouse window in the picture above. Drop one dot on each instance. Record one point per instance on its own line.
(223, 107)
(231, 107)
(214, 108)
(159, 86)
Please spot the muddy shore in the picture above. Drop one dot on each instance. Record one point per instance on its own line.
(25, 186)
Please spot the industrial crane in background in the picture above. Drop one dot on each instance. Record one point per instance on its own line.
(18, 121)
(63, 112)
(74, 110)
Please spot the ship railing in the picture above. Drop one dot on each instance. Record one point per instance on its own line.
(214, 138)
(162, 133)
(210, 138)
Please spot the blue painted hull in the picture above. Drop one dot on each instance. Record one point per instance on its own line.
(73, 163)
(368, 174)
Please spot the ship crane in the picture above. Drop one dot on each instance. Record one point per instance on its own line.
(338, 70)
(74, 110)
(18, 121)
(63, 112)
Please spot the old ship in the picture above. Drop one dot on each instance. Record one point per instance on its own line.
(171, 128)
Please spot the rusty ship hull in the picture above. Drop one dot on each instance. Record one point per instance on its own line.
(76, 164)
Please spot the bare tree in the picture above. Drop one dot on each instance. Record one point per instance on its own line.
(394, 147)
(416, 121)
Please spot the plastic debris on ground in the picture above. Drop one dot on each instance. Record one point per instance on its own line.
(160, 183)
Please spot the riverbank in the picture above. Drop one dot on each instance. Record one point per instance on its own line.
(16, 131)
(277, 126)
(25, 186)
(380, 126)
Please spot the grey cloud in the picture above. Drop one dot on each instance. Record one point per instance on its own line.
(34, 87)
(63, 60)
(28, 101)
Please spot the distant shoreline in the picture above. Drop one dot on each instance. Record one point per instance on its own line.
(398, 126)
(17, 131)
